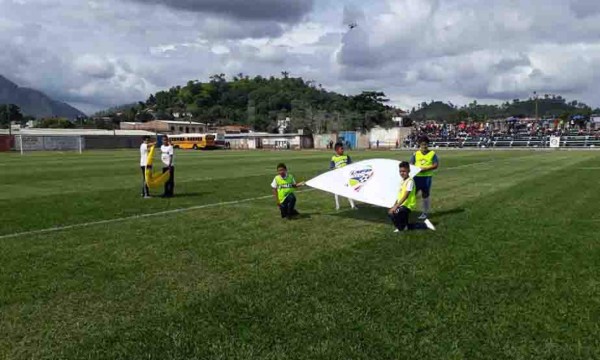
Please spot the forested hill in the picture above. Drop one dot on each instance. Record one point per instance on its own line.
(547, 106)
(259, 102)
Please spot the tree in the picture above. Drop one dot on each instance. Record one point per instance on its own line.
(56, 123)
(151, 100)
(13, 113)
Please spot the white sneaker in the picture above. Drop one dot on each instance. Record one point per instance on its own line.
(354, 207)
(423, 216)
(396, 230)
(429, 225)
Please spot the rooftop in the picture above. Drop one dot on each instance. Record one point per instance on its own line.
(178, 122)
(77, 132)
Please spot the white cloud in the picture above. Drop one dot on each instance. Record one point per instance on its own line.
(103, 53)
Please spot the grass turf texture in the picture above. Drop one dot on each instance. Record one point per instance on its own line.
(512, 271)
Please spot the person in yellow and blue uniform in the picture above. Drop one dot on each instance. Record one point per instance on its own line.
(406, 203)
(339, 160)
(284, 185)
(427, 160)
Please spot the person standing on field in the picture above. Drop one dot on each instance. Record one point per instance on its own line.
(428, 161)
(340, 160)
(144, 149)
(167, 157)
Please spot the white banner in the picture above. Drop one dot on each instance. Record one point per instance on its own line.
(375, 181)
(554, 141)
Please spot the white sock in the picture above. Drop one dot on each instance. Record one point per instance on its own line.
(426, 205)
(337, 202)
(351, 203)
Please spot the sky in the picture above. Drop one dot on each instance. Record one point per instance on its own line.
(103, 53)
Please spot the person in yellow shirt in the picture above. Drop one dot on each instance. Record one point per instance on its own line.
(427, 160)
(406, 203)
(284, 185)
(339, 160)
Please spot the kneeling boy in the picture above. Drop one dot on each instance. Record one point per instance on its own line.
(406, 203)
(284, 185)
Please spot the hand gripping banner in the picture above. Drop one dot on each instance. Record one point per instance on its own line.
(153, 180)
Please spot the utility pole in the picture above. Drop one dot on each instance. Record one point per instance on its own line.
(8, 118)
(536, 106)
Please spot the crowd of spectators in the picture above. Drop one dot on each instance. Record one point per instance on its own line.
(508, 128)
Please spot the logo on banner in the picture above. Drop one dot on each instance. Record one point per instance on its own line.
(359, 177)
(554, 141)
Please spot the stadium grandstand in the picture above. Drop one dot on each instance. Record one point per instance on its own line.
(522, 133)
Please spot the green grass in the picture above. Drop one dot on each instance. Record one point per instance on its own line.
(512, 272)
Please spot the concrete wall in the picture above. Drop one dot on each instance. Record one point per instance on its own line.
(242, 144)
(111, 142)
(49, 143)
(388, 137)
(6, 142)
(307, 142)
(321, 141)
(362, 141)
(65, 143)
(281, 143)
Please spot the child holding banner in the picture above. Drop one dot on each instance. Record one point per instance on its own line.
(144, 150)
(339, 160)
(284, 185)
(406, 203)
(427, 160)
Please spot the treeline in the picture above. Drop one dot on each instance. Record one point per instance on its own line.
(12, 113)
(548, 106)
(259, 102)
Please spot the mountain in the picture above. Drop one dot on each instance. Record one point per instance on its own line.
(35, 103)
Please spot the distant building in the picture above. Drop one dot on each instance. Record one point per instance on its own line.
(182, 115)
(231, 129)
(166, 126)
(399, 116)
(262, 140)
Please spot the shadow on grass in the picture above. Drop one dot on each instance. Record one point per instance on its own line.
(439, 214)
(304, 215)
(189, 195)
(379, 215)
(365, 213)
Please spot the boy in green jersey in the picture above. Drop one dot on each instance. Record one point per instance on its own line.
(428, 161)
(284, 185)
(406, 203)
(340, 160)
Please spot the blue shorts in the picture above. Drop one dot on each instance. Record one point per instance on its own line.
(423, 184)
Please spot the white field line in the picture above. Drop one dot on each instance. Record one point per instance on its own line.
(136, 217)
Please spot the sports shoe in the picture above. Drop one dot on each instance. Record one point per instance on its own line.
(423, 216)
(396, 230)
(429, 225)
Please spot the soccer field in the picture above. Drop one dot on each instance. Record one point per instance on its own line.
(512, 272)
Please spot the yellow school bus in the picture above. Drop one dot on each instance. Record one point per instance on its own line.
(193, 141)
